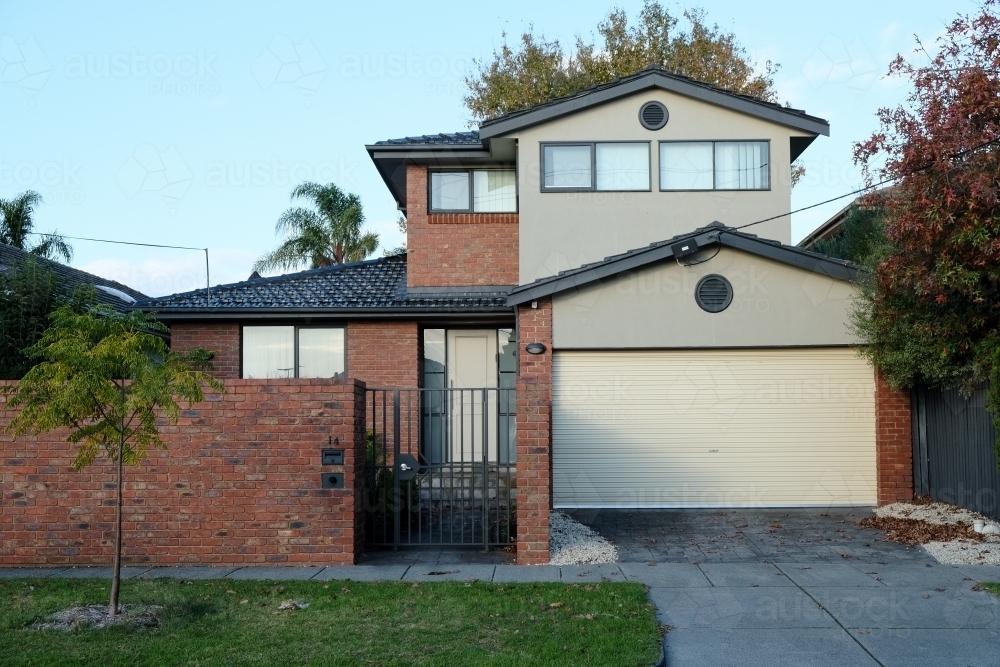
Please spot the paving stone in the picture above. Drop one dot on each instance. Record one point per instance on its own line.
(473, 572)
(745, 574)
(666, 575)
(275, 573)
(908, 648)
(828, 574)
(773, 608)
(590, 573)
(979, 572)
(30, 572)
(910, 607)
(746, 647)
(526, 573)
(362, 573)
(917, 575)
(129, 572)
(188, 572)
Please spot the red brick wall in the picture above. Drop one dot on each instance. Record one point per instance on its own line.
(223, 339)
(238, 484)
(893, 442)
(383, 354)
(456, 249)
(534, 441)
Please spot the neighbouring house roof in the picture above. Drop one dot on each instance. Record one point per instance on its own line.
(109, 292)
(716, 234)
(829, 228)
(650, 79)
(444, 139)
(373, 288)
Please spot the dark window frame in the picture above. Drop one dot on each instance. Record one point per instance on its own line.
(295, 344)
(713, 142)
(593, 164)
(470, 171)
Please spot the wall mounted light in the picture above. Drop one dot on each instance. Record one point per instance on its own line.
(534, 348)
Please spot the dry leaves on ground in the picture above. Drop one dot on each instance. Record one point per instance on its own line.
(914, 531)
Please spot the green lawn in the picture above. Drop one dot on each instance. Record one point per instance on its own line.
(992, 588)
(347, 623)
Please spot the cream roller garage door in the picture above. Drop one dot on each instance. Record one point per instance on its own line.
(727, 428)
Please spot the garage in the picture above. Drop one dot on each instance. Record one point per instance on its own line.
(762, 427)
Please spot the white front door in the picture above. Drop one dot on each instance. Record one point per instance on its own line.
(472, 365)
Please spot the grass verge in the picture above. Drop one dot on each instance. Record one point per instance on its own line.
(992, 588)
(385, 623)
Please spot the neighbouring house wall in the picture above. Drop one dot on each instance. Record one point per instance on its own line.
(239, 483)
(384, 354)
(894, 443)
(773, 305)
(221, 338)
(534, 439)
(456, 249)
(563, 230)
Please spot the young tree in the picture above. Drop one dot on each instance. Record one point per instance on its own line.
(930, 310)
(328, 234)
(16, 225)
(538, 70)
(106, 377)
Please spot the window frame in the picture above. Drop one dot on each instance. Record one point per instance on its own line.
(470, 174)
(295, 345)
(593, 164)
(659, 177)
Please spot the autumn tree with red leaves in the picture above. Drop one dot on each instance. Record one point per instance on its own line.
(929, 309)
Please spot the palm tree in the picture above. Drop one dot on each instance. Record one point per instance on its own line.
(16, 223)
(328, 234)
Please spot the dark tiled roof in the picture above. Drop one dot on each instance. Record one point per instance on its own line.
(626, 79)
(69, 278)
(714, 234)
(443, 139)
(377, 284)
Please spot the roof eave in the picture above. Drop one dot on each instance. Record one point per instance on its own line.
(762, 110)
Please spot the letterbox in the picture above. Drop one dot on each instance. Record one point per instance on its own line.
(333, 457)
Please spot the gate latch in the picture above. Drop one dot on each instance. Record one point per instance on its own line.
(408, 465)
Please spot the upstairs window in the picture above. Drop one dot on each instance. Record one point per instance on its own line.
(473, 191)
(601, 166)
(293, 352)
(714, 165)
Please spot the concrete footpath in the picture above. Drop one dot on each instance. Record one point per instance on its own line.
(749, 614)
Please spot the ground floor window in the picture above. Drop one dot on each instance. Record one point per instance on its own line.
(289, 351)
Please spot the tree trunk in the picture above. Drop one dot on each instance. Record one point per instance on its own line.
(116, 567)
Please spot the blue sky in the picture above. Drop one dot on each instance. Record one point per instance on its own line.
(188, 123)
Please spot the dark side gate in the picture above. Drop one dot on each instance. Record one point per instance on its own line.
(439, 468)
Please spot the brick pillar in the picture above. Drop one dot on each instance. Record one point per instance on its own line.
(534, 428)
(893, 442)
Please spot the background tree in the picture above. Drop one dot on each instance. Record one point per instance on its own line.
(930, 309)
(17, 224)
(861, 236)
(401, 248)
(327, 234)
(106, 377)
(28, 293)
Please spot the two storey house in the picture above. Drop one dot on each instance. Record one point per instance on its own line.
(601, 304)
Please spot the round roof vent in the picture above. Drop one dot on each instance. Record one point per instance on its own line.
(713, 293)
(653, 115)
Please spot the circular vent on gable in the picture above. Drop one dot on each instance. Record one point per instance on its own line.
(713, 293)
(653, 115)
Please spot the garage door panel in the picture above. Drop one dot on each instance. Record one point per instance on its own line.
(713, 428)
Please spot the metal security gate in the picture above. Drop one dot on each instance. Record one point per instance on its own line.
(439, 468)
(954, 460)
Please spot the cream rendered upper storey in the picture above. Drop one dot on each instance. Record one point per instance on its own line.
(725, 136)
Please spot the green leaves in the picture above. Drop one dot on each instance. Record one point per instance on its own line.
(106, 377)
(327, 234)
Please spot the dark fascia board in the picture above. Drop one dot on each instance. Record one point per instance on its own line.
(762, 110)
(331, 313)
(640, 258)
(429, 153)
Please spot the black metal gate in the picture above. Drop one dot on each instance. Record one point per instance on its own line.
(954, 460)
(439, 468)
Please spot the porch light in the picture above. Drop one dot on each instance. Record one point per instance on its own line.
(534, 348)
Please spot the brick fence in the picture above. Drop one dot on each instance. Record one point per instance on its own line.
(240, 483)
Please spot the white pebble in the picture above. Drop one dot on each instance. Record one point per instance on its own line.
(572, 543)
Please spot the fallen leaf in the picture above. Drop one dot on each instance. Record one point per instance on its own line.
(590, 617)
(863, 631)
(555, 605)
(926, 596)
(244, 601)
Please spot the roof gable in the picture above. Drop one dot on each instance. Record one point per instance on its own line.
(715, 234)
(648, 80)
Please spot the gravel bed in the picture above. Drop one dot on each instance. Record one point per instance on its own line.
(572, 543)
(953, 552)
